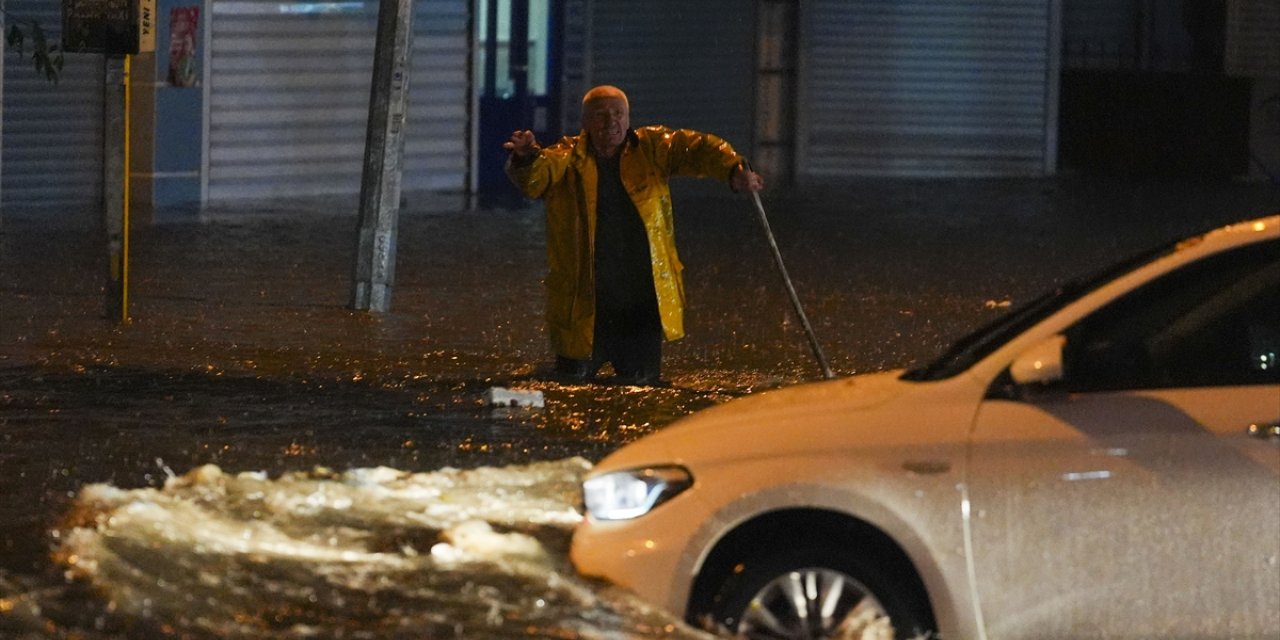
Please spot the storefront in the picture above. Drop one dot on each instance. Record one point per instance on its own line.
(272, 106)
(921, 88)
(288, 98)
(247, 101)
(52, 132)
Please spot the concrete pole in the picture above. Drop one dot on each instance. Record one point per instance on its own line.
(113, 186)
(384, 150)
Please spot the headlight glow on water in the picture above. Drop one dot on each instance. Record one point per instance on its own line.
(623, 495)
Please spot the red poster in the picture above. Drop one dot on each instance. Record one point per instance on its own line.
(184, 26)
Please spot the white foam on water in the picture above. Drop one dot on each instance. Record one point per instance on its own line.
(377, 552)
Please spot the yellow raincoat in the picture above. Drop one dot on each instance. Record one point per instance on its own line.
(564, 176)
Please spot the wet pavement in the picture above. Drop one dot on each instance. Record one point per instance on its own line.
(241, 353)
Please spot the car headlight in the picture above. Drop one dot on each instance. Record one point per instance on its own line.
(623, 495)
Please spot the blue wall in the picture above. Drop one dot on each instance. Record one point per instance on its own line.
(178, 116)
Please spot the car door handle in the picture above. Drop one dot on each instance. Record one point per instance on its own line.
(1265, 431)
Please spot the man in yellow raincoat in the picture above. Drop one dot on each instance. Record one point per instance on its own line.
(614, 286)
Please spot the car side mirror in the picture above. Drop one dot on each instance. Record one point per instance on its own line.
(1041, 364)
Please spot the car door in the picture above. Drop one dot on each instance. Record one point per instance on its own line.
(1139, 497)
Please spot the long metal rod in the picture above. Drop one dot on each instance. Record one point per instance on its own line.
(791, 290)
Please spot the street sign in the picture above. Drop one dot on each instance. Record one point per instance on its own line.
(100, 26)
(146, 26)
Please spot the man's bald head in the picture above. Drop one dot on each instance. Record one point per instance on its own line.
(605, 91)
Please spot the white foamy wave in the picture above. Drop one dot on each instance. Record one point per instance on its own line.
(377, 553)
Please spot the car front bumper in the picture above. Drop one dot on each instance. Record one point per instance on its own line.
(650, 555)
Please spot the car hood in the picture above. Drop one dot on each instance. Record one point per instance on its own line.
(865, 411)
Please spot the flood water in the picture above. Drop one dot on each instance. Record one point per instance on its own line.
(248, 458)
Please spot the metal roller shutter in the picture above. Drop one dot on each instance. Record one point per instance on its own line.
(289, 98)
(683, 64)
(927, 88)
(52, 132)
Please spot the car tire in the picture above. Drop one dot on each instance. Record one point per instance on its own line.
(773, 591)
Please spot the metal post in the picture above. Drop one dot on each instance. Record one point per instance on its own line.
(518, 54)
(491, 50)
(114, 209)
(384, 150)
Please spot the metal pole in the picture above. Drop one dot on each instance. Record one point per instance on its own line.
(114, 190)
(491, 49)
(384, 150)
(791, 290)
(518, 53)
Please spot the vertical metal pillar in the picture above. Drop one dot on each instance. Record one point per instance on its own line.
(384, 150)
(777, 51)
(114, 195)
(491, 50)
(518, 55)
(1053, 87)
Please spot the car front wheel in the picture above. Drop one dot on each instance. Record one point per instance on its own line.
(818, 594)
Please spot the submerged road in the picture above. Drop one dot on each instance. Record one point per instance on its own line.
(241, 352)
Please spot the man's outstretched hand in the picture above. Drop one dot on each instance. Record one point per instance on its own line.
(522, 144)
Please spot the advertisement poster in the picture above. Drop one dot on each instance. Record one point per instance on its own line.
(184, 26)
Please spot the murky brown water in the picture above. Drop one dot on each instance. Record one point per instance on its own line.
(241, 354)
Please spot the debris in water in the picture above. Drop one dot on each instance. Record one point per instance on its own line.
(503, 397)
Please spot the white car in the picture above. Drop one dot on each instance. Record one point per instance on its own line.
(1101, 463)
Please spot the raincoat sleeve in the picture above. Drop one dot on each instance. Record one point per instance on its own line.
(534, 178)
(694, 153)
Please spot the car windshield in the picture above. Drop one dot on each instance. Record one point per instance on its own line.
(968, 350)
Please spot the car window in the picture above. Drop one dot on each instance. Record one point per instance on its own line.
(1212, 323)
(979, 344)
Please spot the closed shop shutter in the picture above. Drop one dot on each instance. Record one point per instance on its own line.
(52, 132)
(683, 64)
(926, 88)
(289, 98)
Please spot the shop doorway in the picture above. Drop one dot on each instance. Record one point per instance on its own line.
(518, 71)
(1146, 91)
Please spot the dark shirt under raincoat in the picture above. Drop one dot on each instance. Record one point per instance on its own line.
(564, 176)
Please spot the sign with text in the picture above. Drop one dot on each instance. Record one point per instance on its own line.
(100, 26)
(146, 25)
